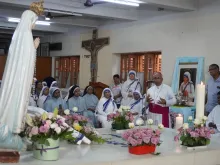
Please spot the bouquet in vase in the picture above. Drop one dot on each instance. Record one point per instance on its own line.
(47, 126)
(121, 119)
(198, 135)
(142, 140)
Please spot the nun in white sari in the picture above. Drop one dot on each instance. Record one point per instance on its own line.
(137, 105)
(105, 106)
(17, 79)
(129, 87)
(44, 94)
(54, 84)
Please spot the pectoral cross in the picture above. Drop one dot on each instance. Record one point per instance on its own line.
(93, 46)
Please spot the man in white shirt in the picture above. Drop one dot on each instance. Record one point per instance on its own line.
(214, 116)
(160, 97)
(116, 90)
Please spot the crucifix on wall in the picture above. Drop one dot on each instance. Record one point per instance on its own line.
(93, 46)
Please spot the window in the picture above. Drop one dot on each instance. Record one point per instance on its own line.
(67, 71)
(145, 64)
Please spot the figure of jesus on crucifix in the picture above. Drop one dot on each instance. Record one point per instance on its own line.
(93, 46)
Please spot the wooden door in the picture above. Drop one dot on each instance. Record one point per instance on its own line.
(74, 70)
(2, 65)
(43, 67)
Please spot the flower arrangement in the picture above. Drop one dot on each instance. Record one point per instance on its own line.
(198, 135)
(75, 118)
(121, 119)
(49, 125)
(142, 140)
(79, 123)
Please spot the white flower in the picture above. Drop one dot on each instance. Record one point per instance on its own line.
(139, 122)
(48, 122)
(196, 121)
(150, 121)
(185, 126)
(120, 110)
(54, 125)
(65, 125)
(190, 118)
(161, 126)
(127, 108)
(202, 125)
(131, 125)
(58, 130)
(50, 115)
(204, 118)
(75, 109)
(67, 112)
(123, 107)
(59, 117)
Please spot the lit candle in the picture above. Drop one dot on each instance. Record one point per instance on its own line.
(179, 122)
(200, 100)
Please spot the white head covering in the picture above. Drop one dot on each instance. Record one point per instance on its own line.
(54, 84)
(188, 75)
(132, 72)
(42, 91)
(136, 91)
(107, 89)
(52, 90)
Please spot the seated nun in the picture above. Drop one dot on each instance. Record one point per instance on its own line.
(44, 94)
(106, 105)
(91, 102)
(137, 105)
(54, 101)
(76, 103)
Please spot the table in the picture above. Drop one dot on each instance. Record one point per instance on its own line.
(107, 154)
(185, 111)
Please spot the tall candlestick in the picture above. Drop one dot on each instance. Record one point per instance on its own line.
(200, 100)
(179, 122)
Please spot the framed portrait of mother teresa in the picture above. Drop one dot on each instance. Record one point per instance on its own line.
(188, 72)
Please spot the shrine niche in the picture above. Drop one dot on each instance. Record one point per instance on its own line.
(93, 46)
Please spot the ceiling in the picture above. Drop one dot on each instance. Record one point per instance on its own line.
(92, 17)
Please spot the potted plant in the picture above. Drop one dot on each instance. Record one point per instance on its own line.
(45, 132)
(142, 140)
(121, 119)
(194, 137)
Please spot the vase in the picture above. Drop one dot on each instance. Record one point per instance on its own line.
(117, 126)
(141, 150)
(43, 152)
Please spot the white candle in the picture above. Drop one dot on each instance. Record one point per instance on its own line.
(179, 122)
(200, 100)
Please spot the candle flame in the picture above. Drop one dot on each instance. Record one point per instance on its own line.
(179, 115)
(202, 83)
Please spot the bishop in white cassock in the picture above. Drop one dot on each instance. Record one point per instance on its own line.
(160, 97)
(214, 117)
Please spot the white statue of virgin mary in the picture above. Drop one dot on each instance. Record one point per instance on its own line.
(17, 79)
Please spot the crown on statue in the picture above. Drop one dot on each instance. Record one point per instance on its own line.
(37, 7)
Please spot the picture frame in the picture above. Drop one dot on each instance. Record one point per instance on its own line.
(45, 49)
(193, 64)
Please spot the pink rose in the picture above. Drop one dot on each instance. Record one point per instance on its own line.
(176, 138)
(44, 129)
(126, 118)
(137, 135)
(139, 141)
(155, 140)
(194, 134)
(34, 131)
(146, 140)
(132, 141)
(157, 132)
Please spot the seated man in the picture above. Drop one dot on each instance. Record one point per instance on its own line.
(214, 117)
